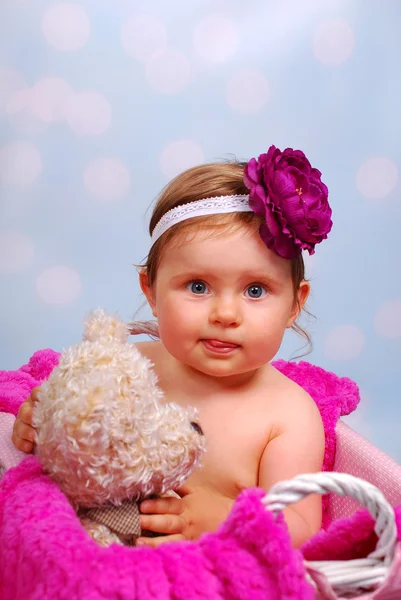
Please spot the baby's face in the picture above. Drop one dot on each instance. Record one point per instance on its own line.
(223, 302)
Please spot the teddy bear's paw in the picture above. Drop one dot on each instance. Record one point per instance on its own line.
(100, 533)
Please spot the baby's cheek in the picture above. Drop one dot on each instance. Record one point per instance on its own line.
(177, 322)
(173, 336)
(264, 344)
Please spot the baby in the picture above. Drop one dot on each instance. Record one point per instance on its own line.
(225, 278)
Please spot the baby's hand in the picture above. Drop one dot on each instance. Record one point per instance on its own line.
(23, 436)
(163, 516)
(197, 510)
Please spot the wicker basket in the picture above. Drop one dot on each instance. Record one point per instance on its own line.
(346, 578)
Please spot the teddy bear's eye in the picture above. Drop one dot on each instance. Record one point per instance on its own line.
(197, 427)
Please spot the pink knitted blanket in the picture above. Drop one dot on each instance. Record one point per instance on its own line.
(45, 554)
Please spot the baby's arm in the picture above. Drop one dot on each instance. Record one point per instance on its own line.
(297, 447)
(23, 436)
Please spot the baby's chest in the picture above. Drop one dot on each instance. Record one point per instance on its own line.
(235, 441)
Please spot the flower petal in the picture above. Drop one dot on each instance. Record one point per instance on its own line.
(288, 192)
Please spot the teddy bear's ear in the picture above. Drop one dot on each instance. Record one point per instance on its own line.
(103, 327)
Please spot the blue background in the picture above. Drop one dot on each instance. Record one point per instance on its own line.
(151, 92)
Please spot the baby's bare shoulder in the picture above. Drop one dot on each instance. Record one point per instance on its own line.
(148, 349)
(154, 351)
(293, 399)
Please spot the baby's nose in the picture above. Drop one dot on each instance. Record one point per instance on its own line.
(197, 427)
(226, 311)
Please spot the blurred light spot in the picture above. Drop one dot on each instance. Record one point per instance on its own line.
(107, 179)
(143, 36)
(58, 285)
(20, 163)
(344, 342)
(377, 177)
(16, 252)
(333, 43)
(247, 91)
(215, 38)
(11, 82)
(388, 320)
(88, 113)
(168, 72)
(179, 156)
(66, 26)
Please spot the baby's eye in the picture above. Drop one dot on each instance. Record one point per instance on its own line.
(255, 291)
(197, 287)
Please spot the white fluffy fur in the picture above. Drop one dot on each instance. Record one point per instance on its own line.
(104, 433)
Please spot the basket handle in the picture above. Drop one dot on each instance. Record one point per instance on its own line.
(288, 492)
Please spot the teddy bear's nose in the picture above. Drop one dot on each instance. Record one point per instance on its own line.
(197, 427)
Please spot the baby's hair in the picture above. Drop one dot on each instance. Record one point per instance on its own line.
(144, 327)
(205, 181)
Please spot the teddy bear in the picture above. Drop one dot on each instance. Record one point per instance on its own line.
(107, 436)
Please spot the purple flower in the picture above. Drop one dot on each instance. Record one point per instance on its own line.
(288, 193)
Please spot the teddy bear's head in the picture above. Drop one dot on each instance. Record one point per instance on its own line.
(104, 432)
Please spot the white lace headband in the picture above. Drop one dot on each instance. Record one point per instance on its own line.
(284, 190)
(200, 208)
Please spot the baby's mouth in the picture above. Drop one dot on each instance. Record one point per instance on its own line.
(219, 346)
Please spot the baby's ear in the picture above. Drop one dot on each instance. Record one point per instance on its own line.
(299, 302)
(147, 290)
